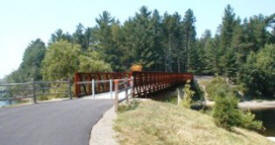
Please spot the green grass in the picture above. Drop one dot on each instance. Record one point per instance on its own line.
(156, 123)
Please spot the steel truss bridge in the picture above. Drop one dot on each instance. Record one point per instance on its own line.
(144, 84)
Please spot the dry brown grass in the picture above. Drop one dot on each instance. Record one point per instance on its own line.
(155, 123)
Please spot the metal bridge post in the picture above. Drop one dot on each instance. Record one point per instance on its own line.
(93, 88)
(132, 86)
(77, 86)
(126, 91)
(111, 88)
(116, 96)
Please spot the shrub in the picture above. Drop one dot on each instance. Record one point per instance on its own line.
(188, 94)
(199, 93)
(227, 114)
(217, 86)
(258, 73)
(248, 121)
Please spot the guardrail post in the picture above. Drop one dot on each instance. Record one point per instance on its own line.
(116, 96)
(126, 91)
(132, 86)
(33, 93)
(77, 86)
(93, 88)
(111, 88)
(70, 89)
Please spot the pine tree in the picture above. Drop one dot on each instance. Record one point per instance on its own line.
(140, 39)
(105, 34)
(178, 47)
(202, 56)
(158, 48)
(168, 27)
(173, 42)
(189, 39)
(30, 68)
(225, 50)
(79, 38)
(227, 27)
(211, 56)
(59, 35)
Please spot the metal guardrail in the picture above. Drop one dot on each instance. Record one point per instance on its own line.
(115, 86)
(100, 86)
(34, 90)
(83, 81)
(127, 84)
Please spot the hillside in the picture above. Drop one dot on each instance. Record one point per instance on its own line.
(155, 123)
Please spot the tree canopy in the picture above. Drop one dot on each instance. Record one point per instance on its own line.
(30, 68)
(61, 61)
(242, 49)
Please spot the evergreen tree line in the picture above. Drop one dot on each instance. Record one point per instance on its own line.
(242, 50)
(158, 43)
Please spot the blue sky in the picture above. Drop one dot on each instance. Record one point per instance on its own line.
(26, 20)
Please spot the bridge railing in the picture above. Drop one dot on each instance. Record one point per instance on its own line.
(144, 83)
(93, 83)
(127, 87)
(148, 83)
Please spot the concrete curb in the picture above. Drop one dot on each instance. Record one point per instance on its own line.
(102, 132)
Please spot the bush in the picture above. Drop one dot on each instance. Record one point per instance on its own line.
(248, 121)
(188, 94)
(219, 87)
(258, 73)
(199, 93)
(227, 114)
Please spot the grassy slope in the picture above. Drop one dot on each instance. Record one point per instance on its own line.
(155, 123)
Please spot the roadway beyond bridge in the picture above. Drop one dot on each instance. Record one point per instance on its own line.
(54, 123)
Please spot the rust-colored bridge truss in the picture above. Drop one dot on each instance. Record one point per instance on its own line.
(144, 83)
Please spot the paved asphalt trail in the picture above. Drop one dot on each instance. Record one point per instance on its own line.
(54, 123)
